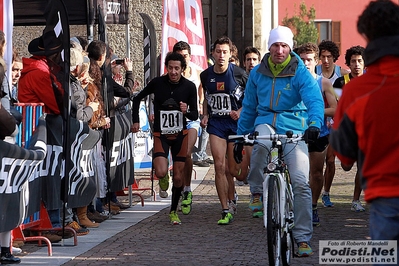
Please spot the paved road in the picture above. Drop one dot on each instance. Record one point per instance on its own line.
(200, 241)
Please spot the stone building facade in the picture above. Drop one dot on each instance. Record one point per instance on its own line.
(246, 22)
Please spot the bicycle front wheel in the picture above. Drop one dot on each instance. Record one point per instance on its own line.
(273, 221)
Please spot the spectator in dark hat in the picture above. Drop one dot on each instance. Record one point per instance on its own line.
(39, 84)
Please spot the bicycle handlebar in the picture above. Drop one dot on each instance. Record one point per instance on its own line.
(251, 138)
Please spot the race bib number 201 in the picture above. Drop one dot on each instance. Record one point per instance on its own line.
(171, 122)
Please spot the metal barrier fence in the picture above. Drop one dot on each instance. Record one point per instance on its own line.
(39, 221)
(31, 113)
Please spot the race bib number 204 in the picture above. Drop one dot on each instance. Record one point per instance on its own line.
(220, 104)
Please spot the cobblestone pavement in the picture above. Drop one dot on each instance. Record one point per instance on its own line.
(200, 241)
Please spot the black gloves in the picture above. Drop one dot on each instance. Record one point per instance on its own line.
(238, 147)
(311, 134)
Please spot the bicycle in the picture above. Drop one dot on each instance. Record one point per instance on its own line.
(278, 197)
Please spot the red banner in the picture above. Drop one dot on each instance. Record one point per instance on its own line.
(183, 21)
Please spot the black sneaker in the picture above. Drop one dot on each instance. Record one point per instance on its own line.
(8, 258)
(209, 160)
(201, 164)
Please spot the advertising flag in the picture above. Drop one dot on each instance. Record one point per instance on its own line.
(183, 21)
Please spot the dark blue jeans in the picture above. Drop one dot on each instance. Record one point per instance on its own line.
(55, 217)
(384, 219)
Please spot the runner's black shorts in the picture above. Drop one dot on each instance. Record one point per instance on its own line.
(320, 145)
(177, 143)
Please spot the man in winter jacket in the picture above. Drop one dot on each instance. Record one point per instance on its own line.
(282, 95)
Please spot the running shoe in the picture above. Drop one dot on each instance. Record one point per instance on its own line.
(209, 160)
(186, 202)
(357, 206)
(232, 207)
(258, 214)
(227, 218)
(163, 186)
(256, 204)
(164, 182)
(325, 198)
(8, 258)
(201, 164)
(187, 198)
(240, 183)
(163, 194)
(304, 250)
(315, 218)
(174, 218)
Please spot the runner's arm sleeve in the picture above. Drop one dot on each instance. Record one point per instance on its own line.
(136, 101)
(193, 104)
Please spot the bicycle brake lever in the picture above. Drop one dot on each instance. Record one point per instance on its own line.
(250, 142)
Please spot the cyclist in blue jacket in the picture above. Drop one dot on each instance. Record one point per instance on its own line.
(281, 95)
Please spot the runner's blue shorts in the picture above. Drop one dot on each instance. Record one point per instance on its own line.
(222, 127)
(196, 125)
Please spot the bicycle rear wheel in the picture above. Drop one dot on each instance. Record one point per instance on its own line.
(273, 221)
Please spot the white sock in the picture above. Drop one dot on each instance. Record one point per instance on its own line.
(187, 189)
(16, 250)
(326, 193)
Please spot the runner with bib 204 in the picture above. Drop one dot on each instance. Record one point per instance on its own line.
(224, 85)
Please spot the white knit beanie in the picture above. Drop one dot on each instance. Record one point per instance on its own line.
(76, 57)
(281, 34)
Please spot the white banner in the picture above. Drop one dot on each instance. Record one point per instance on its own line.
(143, 141)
